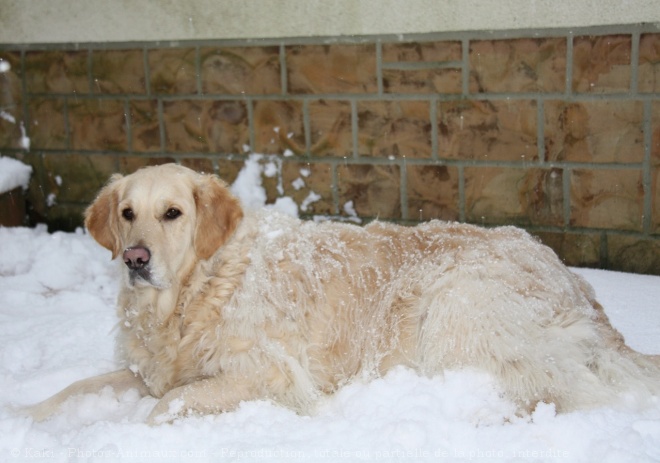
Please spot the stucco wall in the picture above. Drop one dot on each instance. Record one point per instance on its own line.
(57, 21)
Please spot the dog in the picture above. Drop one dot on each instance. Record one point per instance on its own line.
(219, 305)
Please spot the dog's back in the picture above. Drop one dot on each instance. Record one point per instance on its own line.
(320, 304)
(219, 306)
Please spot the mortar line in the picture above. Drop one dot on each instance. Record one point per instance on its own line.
(90, 73)
(566, 183)
(422, 65)
(27, 118)
(307, 128)
(215, 165)
(128, 120)
(604, 256)
(379, 67)
(433, 115)
(354, 127)
(540, 129)
(646, 169)
(161, 123)
(198, 70)
(147, 72)
(403, 189)
(67, 124)
(461, 193)
(284, 77)
(582, 97)
(569, 66)
(335, 187)
(465, 59)
(634, 62)
(251, 131)
(567, 172)
(513, 164)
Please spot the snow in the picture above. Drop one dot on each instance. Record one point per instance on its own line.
(349, 208)
(8, 117)
(312, 197)
(57, 325)
(249, 189)
(13, 174)
(247, 185)
(57, 320)
(24, 140)
(298, 184)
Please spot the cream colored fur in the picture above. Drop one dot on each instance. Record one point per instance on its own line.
(257, 305)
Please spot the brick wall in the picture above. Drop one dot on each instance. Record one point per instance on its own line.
(557, 131)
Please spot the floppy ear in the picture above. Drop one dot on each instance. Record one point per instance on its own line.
(101, 217)
(218, 215)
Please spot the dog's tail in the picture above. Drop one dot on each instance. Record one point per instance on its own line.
(621, 370)
(553, 343)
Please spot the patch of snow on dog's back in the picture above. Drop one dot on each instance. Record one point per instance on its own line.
(248, 186)
(285, 205)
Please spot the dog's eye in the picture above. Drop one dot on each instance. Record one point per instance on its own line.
(172, 213)
(128, 214)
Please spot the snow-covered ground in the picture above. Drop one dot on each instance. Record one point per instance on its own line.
(57, 325)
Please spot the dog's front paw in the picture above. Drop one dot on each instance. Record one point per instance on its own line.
(166, 411)
(38, 412)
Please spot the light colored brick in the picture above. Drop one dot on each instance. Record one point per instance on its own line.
(241, 70)
(501, 195)
(432, 192)
(373, 189)
(278, 127)
(518, 65)
(649, 63)
(331, 128)
(331, 68)
(118, 71)
(394, 129)
(602, 64)
(594, 131)
(611, 199)
(496, 130)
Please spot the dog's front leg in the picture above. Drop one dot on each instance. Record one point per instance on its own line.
(203, 397)
(120, 381)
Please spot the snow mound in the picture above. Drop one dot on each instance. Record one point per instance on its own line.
(13, 174)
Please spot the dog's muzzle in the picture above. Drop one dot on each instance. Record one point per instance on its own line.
(137, 260)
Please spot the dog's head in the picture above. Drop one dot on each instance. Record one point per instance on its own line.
(160, 219)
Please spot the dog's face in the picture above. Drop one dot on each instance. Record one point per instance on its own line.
(161, 219)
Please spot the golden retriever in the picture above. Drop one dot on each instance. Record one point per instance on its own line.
(219, 305)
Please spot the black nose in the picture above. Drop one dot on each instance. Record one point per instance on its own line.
(136, 257)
